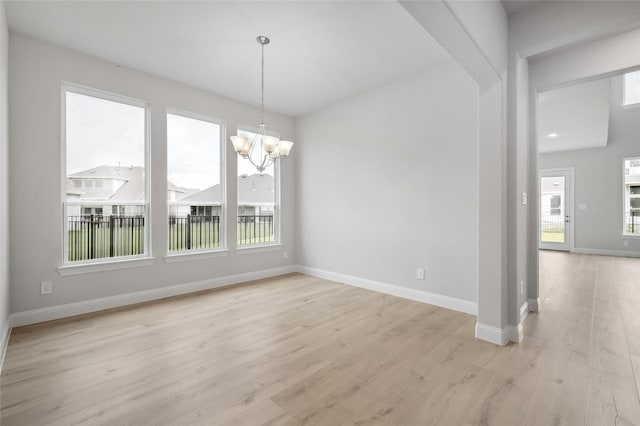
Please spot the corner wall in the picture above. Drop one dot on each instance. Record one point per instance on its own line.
(387, 184)
(36, 71)
(4, 184)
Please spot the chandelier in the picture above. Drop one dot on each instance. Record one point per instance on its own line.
(270, 148)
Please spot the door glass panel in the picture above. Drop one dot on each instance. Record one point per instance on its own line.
(552, 214)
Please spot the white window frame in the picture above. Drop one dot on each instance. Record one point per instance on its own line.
(624, 199)
(276, 199)
(200, 253)
(73, 267)
(624, 91)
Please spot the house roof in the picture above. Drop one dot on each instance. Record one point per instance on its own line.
(256, 189)
(110, 172)
(131, 190)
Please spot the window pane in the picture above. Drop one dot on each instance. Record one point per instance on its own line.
(105, 164)
(635, 190)
(256, 200)
(631, 88)
(194, 183)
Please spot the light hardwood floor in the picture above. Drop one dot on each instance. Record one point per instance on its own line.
(298, 350)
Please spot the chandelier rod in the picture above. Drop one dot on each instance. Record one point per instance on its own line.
(262, 87)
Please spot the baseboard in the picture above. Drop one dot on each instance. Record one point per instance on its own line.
(524, 311)
(500, 336)
(618, 253)
(492, 334)
(515, 333)
(534, 305)
(62, 311)
(394, 290)
(4, 340)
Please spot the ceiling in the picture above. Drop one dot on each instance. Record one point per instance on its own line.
(514, 6)
(320, 52)
(574, 117)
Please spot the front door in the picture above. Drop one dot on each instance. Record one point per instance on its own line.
(555, 209)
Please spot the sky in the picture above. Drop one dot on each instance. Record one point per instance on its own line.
(101, 132)
(193, 152)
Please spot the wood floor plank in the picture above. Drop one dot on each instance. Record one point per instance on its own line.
(298, 350)
(612, 400)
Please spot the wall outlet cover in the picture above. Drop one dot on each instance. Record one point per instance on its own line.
(46, 287)
(420, 274)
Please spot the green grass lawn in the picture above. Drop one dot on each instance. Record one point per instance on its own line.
(86, 243)
(95, 243)
(553, 237)
(203, 236)
(254, 233)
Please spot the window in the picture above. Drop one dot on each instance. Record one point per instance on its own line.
(631, 196)
(195, 183)
(631, 91)
(257, 201)
(105, 140)
(117, 210)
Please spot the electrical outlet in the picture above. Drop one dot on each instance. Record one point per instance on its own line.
(524, 198)
(46, 287)
(625, 243)
(285, 255)
(521, 287)
(420, 274)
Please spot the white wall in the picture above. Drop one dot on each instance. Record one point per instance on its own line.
(475, 36)
(598, 179)
(4, 182)
(36, 71)
(387, 182)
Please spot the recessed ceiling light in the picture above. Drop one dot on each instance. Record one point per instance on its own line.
(552, 135)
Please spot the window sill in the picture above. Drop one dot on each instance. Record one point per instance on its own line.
(259, 248)
(87, 268)
(630, 235)
(199, 255)
(631, 106)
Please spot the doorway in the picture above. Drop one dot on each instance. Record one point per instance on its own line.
(555, 222)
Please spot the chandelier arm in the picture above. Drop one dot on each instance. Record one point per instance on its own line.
(263, 163)
(272, 160)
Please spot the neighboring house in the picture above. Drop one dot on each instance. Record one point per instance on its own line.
(255, 197)
(120, 186)
(117, 186)
(632, 195)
